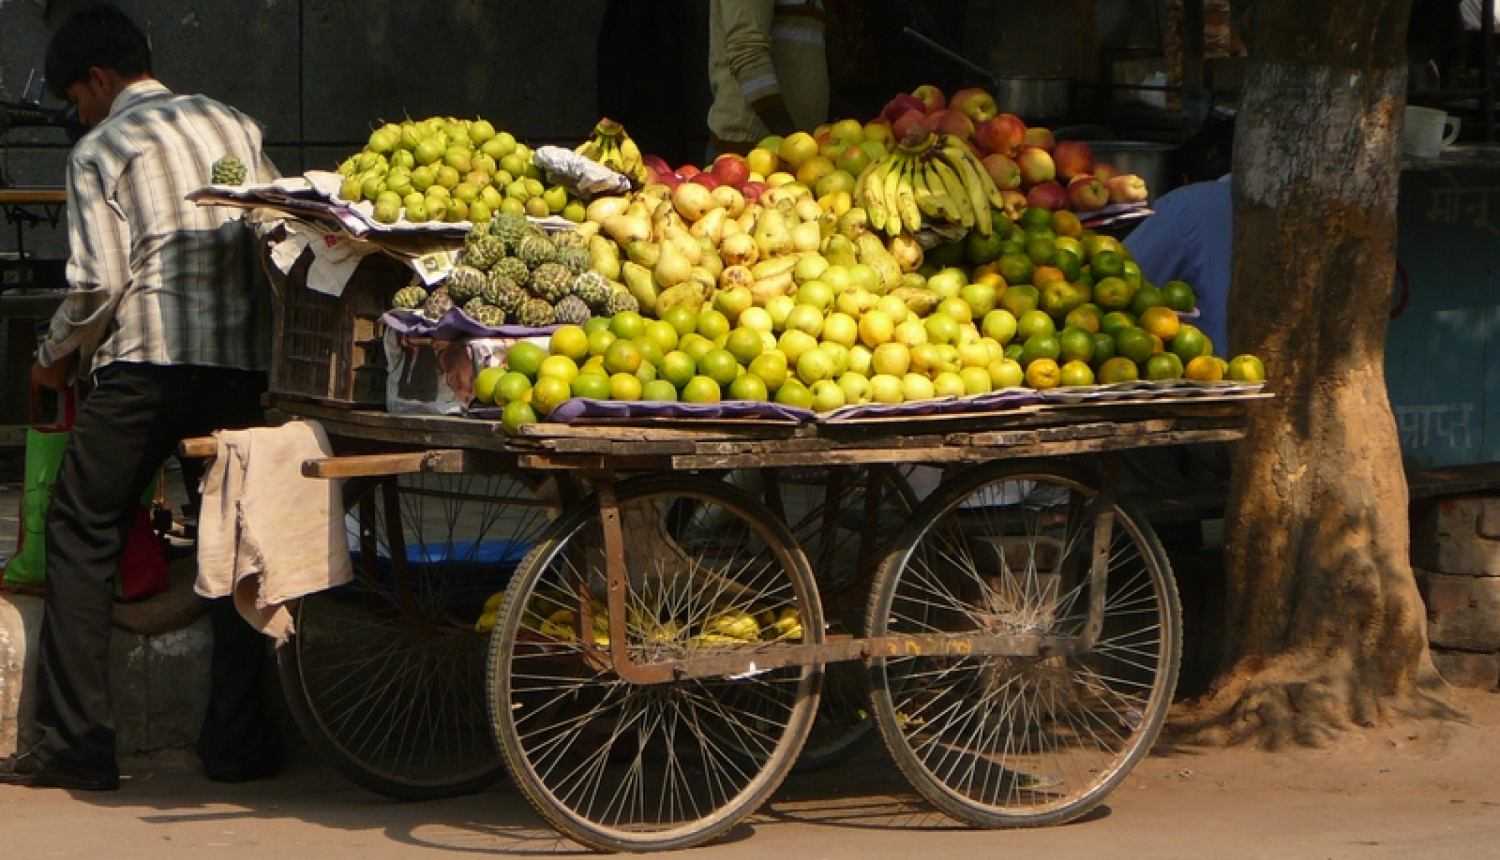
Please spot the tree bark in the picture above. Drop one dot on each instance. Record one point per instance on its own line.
(1325, 627)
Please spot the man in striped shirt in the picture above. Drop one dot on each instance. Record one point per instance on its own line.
(166, 314)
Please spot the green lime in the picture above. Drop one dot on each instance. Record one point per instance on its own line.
(659, 389)
(1179, 296)
(592, 385)
(748, 386)
(701, 389)
(525, 357)
(516, 415)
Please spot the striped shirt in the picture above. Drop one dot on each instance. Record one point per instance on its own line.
(759, 48)
(152, 277)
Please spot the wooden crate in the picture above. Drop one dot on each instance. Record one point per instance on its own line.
(330, 350)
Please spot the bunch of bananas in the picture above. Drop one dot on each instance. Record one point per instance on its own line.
(613, 148)
(938, 179)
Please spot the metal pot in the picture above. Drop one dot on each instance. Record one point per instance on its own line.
(1149, 161)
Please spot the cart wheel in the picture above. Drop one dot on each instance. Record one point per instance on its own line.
(1009, 741)
(624, 767)
(844, 517)
(385, 676)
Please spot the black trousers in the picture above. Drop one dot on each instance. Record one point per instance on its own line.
(126, 428)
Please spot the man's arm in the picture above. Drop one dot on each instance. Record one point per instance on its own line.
(747, 49)
(98, 266)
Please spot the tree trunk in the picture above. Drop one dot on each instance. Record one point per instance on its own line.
(1325, 627)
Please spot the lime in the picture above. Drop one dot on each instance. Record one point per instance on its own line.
(591, 385)
(1032, 323)
(485, 382)
(1035, 218)
(646, 373)
(663, 334)
(1164, 365)
(1246, 368)
(695, 345)
(1147, 297)
(525, 357)
(1076, 345)
(570, 340)
(651, 354)
(1104, 347)
(713, 324)
(1107, 264)
(659, 389)
(511, 387)
(627, 324)
(677, 367)
(748, 387)
(1112, 293)
(517, 415)
(1189, 343)
(1179, 296)
(1041, 250)
(1038, 347)
(1115, 322)
(549, 393)
(559, 366)
(624, 386)
(1118, 369)
(1086, 317)
(719, 365)
(594, 324)
(1016, 269)
(1020, 299)
(794, 393)
(623, 356)
(600, 340)
(682, 318)
(701, 389)
(1135, 344)
(744, 344)
(1013, 351)
(1076, 373)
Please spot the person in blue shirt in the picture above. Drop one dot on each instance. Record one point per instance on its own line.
(1191, 238)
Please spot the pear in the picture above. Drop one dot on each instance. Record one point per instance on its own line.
(774, 266)
(711, 225)
(919, 300)
(731, 228)
(854, 222)
(601, 208)
(685, 243)
(692, 200)
(672, 268)
(689, 293)
(638, 208)
(736, 276)
(839, 250)
(712, 262)
(700, 275)
(627, 228)
(807, 236)
(907, 252)
(749, 218)
(644, 253)
(587, 229)
(739, 249)
(808, 209)
(730, 199)
(604, 257)
(772, 235)
(765, 289)
(638, 281)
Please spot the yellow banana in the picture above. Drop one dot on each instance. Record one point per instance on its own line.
(972, 185)
(947, 208)
(953, 187)
(874, 194)
(991, 192)
(929, 201)
(892, 194)
(911, 215)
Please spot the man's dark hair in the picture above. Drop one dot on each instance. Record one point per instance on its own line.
(100, 36)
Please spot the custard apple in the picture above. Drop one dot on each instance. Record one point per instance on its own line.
(489, 315)
(439, 303)
(536, 313)
(409, 297)
(550, 281)
(510, 229)
(575, 260)
(504, 293)
(572, 311)
(473, 305)
(593, 289)
(621, 301)
(513, 269)
(570, 239)
(227, 171)
(536, 250)
(464, 283)
(484, 252)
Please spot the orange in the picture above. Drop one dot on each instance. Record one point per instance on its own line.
(1160, 321)
(1204, 368)
(1076, 373)
(1118, 369)
(1043, 374)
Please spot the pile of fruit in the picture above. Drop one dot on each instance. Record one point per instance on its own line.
(444, 169)
(512, 272)
(551, 618)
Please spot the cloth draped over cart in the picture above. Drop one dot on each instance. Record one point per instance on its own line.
(268, 535)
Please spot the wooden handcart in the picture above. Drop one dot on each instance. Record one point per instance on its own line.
(649, 624)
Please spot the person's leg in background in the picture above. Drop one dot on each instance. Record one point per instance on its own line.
(119, 441)
(239, 740)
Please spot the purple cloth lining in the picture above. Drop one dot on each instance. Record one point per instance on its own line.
(585, 407)
(455, 324)
(1009, 398)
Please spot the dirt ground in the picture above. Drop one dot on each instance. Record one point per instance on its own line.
(1403, 790)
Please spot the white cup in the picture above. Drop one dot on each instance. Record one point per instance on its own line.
(1427, 131)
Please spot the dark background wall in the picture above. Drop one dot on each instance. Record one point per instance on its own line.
(318, 73)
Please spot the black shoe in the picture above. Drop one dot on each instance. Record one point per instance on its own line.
(28, 770)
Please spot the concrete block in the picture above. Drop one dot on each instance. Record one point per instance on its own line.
(1459, 536)
(129, 691)
(20, 620)
(177, 683)
(1462, 611)
(1467, 668)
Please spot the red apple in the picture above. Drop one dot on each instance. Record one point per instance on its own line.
(1003, 170)
(951, 122)
(931, 97)
(688, 171)
(1127, 188)
(899, 105)
(1047, 195)
(707, 180)
(823, 134)
(1105, 172)
(1073, 158)
(1087, 193)
(1042, 137)
(1003, 133)
(907, 123)
(731, 169)
(975, 103)
(656, 164)
(753, 190)
(1036, 165)
(1015, 203)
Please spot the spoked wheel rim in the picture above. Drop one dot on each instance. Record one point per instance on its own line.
(385, 675)
(1002, 741)
(623, 767)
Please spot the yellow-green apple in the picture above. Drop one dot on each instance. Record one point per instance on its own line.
(1002, 170)
(1105, 172)
(797, 148)
(975, 103)
(1127, 188)
(931, 97)
(1038, 136)
(1036, 165)
(1086, 194)
(1073, 158)
(879, 131)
